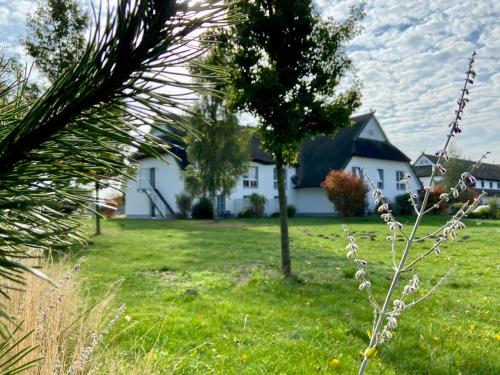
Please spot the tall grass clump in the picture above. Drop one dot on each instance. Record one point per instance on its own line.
(59, 322)
(401, 295)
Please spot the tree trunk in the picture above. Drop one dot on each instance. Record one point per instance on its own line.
(286, 263)
(213, 198)
(97, 216)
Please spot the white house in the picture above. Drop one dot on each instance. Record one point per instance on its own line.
(487, 175)
(361, 146)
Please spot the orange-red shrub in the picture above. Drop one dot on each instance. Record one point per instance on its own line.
(434, 195)
(112, 204)
(346, 192)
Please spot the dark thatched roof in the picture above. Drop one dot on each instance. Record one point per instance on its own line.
(484, 172)
(320, 155)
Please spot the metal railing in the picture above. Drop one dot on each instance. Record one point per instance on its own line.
(155, 197)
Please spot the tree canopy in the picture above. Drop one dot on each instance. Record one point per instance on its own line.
(218, 149)
(287, 65)
(56, 35)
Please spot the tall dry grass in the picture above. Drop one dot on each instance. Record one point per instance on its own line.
(66, 329)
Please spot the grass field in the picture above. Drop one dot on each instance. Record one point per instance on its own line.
(207, 297)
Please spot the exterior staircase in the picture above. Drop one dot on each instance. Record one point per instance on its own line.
(155, 197)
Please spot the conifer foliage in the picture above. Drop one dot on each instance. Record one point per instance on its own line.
(93, 112)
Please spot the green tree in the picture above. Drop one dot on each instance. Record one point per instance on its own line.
(56, 37)
(454, 166)
(287, 64)
(71, 131)
(219, 154)
(218, 150)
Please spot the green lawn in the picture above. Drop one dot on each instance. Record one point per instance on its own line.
(207, 297)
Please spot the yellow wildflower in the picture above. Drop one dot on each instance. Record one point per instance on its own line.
(335, 362)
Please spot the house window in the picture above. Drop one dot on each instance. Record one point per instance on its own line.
(275, 172)
(400, 175)
(251, 178)
(491, 184)
(498, 185)
(380, 182)
(482, 184)
(356, 171)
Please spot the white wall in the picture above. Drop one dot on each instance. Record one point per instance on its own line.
(485, 184)
(168, 182)
(390, 167)
(309, 201)
(372, 130)
(237, 202)
(314, 202)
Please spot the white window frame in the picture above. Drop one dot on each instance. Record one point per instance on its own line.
(400, 175)
(275, 178)
(380, 181)
(251, 180)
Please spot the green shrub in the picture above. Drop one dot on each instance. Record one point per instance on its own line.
(403, 204)
(291, 210)
(203, 209)
(494, 208)
(257, 204)
(246, 213)
(184, 202)
(454, 207)
(483, 213)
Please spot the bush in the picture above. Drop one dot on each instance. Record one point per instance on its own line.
(434, 198)
(403, 204)
(346, 192)
(203, 209)
(111, 206)
(454, 207)
(468, 195)
(483, 213)
(291, 210)
(247, 213)
(257, 204)
(184, 202)
(275, 214)
(494, 212)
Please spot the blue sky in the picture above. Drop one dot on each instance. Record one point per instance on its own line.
(411, 58)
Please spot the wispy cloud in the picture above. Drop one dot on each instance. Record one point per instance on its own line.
(411, 57)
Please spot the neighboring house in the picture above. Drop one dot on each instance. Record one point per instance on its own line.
(361, 146)
(487, 175)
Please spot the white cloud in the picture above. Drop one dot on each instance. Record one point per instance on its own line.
(412, 57)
